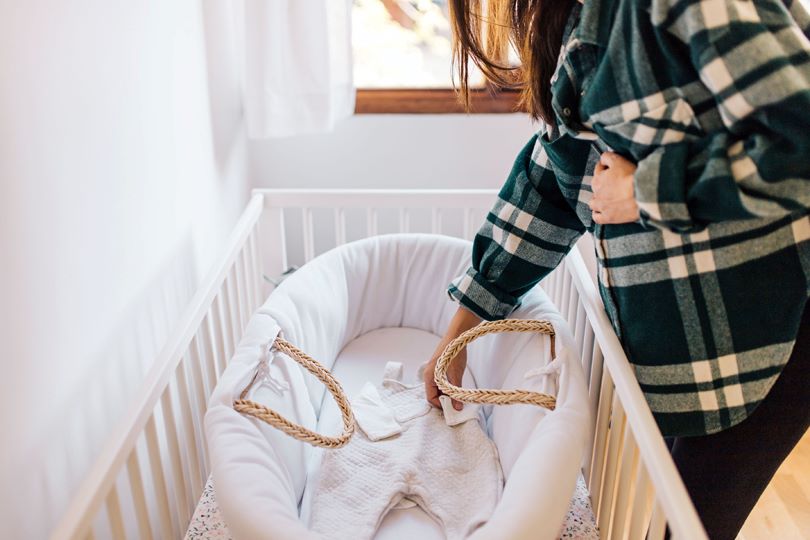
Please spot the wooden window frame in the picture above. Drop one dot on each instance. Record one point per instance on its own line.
(435, 101)
(485, 100)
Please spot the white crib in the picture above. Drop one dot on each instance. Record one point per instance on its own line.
(152, 471)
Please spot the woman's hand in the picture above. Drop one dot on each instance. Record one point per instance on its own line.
(613, 198)
(462, 321)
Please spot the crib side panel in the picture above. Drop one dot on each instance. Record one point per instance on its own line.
(635, 489)
(152, 471)
(299, 225)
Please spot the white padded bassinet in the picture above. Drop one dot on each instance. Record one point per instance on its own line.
(355, 308)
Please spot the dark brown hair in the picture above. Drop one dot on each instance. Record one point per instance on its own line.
(535, 29)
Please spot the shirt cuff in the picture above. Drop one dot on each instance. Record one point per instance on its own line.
(481, 296)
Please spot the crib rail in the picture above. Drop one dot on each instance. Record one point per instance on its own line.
(635, 489)
(306, 222)
(149, 476)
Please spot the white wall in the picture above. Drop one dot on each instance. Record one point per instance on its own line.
(387, 151)
(122, 168)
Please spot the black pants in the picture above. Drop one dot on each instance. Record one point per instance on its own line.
(726, 472)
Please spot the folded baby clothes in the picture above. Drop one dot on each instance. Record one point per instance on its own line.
(373, 416)
(376, 419)
(452, 473)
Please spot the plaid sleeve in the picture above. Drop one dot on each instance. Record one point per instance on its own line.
(525, 236)
(755, 58)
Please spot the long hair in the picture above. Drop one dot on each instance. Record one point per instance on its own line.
(535, 29)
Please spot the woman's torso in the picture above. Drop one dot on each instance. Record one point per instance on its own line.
(707, 318)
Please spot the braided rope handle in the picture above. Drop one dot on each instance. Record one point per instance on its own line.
(486, 395)
(297, 431)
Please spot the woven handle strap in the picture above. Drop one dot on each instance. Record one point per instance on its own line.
(485, 395)
(265, 414)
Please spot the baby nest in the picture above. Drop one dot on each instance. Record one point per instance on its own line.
(353, 309)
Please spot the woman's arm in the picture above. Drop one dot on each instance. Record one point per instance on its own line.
(755, 59)
(462, 321)
(525, 236)
(529, 230)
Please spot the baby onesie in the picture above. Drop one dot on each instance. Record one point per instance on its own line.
(452, 473)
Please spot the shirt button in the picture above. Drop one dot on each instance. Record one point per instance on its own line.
(566, 111)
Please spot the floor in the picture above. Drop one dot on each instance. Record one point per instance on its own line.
(783, 511)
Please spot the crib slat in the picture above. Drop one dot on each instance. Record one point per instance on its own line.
(435, 221)
(581, 330)
(658, 523)
(238, 305)
(467, 233)
(172, 440)
(229, 303)
(158, 479)
(248, 285)
(207, 379)
(212, 342)
(273, 243)
(596, 361)
(190, 434)
(557, 287)
(600, 438)
(592, 354)
(114, 515)
(587, 347)
(571, 316)
(628, 476)
(614, 451)
(557, 290)
(219, 331)
(199, 397)
(225, 318)
(562, 303)
(549, 284)
(242, 295)
(208, 365)
(557, 296)
(340, 226)
(138, 497)
(309, 234)
(404, 220)
(256, 270)
(577, 312)
(642, 506)
(371, 222)
(572, 297)
(253, 294)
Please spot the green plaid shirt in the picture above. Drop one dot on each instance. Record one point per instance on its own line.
(711, 100)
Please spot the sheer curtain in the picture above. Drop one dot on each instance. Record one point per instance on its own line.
(297, 66)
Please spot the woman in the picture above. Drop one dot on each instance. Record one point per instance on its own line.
(677, 132)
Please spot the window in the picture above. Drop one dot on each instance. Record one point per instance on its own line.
(403, 61)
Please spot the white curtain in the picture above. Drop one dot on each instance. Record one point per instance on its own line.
(297, 66)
